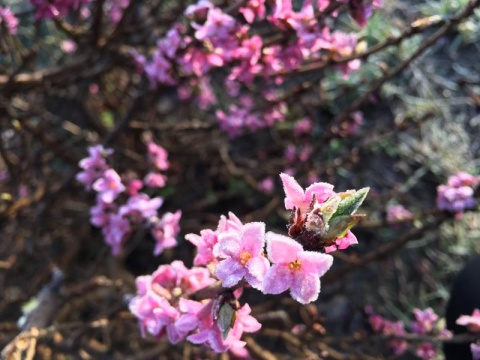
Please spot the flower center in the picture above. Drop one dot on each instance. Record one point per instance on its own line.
(244, 257)
(295, 265)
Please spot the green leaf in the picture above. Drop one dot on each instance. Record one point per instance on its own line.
(330, 206)
(226, 319)
(351, 202)
(339, 225)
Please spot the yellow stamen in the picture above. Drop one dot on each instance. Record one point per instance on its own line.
(295, 265)
(244, 257)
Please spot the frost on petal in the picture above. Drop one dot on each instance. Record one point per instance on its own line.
(253, 237)
(277, 279)
(305, 288)
(315, 263)
(282, 249)
(229, 272)
(256, 269)
(228, 245)
(295, 195)
(321, 190)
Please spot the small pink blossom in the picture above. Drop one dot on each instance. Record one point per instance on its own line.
(342, 243)
(426, 351)
(94, 166)
(68, 46)
(458, 194)
(425, 321)
(158, 156)
(218, 24)
(398, 213)
(242, 256)
(267, 184)
(165, 231)
(208, 238)
(109, 186)
(155, 180)
(294, 269)
(299, 198)
(116, 231)
(141, 206)
(472, 321)
(252, 9)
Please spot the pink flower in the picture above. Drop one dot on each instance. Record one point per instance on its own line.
(475, 349)
(425, 321)
(141, 206)
(343, 242)
(9, 20)
(472, 321)
(68, 46)
(165, 231)
(253, 8)
(294, 269)
(242, 254)
(209, 333)
(267, 184)
(218, 25)
(155, 180)
(158, 156)
(116, 231)
(93, 166)
(426, 351)
(458, 194)
(109, 186)
(299, 198)
(208, 238)
(398, 213)
(157, 295)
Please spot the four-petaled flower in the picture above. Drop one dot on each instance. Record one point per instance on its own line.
(294, 269)
(242, 256)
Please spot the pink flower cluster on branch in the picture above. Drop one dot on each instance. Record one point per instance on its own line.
(426, 322)
(238, 255)
(213, 38)
(120, 208)
(459, 193)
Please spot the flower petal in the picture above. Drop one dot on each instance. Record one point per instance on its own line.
(256, 269)
(305, 288)
(277, 279)
(282, 249)
(228, 245)
(322, 191)
(229, 272)
(315, 263)
(295, 195)
(253, 237)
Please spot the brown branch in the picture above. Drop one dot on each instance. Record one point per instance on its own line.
(386, 249)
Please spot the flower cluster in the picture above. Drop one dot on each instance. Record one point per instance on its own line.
(8, 20)
(163, 308)
(458, 194)
(47, 9)
(214, 38)
(240, 255)
(473, 324)
(426, 322)
(121, 207)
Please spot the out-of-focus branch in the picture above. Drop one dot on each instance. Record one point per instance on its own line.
(464, 14)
